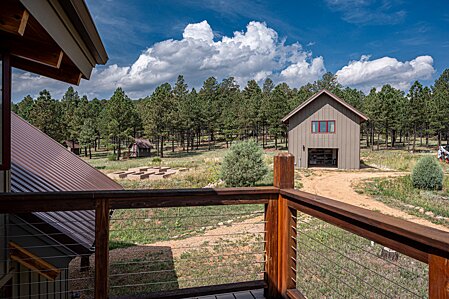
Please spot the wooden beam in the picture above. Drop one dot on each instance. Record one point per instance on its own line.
(66, 72)
(199, 291)
(295, 294)
(46, 53)
(438, 277)
(284, 177)
(280, 267)
(13, 17)
(128, 199)
(102, 249)
(23, 22)
(410, 238)
(6, 113)
(32, 262)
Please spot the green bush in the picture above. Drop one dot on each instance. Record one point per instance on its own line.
(243, 164)
(156, 160)
(427, 174)
(112, 157)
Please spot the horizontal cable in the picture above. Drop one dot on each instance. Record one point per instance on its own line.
(189, 216)
(150, 228)
(182, 280)
(334, 262)
(361, 265)
(212, 268)
(184, 259)
(364, 250)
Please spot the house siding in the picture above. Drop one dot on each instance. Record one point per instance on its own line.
(346, 137)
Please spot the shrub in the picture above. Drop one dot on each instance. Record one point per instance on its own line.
(427, 174)
(243, 164)
(156, 160)
(112, 157)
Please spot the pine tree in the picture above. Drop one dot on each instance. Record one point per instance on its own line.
(46, 115)
(252, 102)
(87, 135)
(278, 108)
(211, 106)
(69, 105)
(24, 107)
(440, 106)
(119, 114)
(415, 109)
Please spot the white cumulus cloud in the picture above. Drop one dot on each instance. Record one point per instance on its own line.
(255, 53)
(365, 73)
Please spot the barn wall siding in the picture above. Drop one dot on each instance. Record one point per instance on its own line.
(346, 137)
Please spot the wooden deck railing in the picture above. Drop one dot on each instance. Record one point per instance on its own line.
(282, 203)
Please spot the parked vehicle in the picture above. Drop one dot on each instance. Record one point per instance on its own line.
(443, 153)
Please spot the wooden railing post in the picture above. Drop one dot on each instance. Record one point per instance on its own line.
(281, 232)
(102, 249)
(438, 277)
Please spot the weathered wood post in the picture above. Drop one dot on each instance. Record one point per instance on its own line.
(281, 232)
(438, 277)
(102, 249)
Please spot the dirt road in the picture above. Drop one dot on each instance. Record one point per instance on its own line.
(339, 185)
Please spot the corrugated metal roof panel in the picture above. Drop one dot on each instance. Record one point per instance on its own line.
(40, 164)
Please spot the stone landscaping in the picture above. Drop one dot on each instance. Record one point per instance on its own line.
(147, 173)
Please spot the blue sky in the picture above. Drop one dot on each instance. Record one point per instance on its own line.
(367, 43)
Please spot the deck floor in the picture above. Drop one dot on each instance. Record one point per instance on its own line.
(254, 294)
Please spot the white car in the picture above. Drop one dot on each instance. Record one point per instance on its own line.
(443, 153)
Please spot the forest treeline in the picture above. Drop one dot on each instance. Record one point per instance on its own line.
(179, 116)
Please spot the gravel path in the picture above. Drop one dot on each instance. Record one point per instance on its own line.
(339, 185)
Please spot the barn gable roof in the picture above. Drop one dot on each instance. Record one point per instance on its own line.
(332, 96)
(142, 143)
(47, 166)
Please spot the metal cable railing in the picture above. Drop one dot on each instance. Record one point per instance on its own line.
(352, 265)
(175, 248)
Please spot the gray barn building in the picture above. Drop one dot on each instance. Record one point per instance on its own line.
(324, 131)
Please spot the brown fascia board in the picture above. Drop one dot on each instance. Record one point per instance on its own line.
(362, 116)
(80, 16)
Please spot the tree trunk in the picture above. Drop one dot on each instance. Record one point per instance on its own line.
(162, 147)
(276, 141)
(85, 151)
(90, 152)
(119, 150)
(420, 137)
(414, 138)
(378, 140)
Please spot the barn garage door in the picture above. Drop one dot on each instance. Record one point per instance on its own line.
(323, 157)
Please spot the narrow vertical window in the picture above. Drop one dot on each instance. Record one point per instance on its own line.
(331, 126)
(323, 126)
(314, 127)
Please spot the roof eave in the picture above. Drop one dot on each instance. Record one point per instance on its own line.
(362, 116)
(70, 25)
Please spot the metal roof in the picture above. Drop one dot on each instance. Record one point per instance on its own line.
(330, 94)
(40, 164)
(141, 143)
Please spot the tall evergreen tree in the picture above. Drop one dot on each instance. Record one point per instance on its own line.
(24, 107)
(440, 106)
(46, 115)
(119, 114)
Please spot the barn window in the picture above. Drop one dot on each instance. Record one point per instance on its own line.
(314, 127)
(323, 126)
(331, 126)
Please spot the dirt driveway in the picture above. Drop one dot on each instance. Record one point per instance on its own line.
(339, 185)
